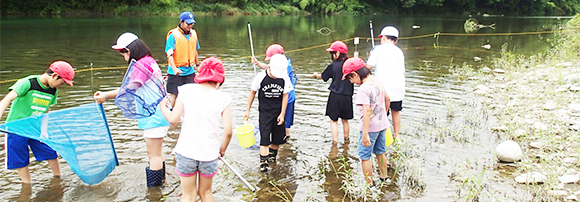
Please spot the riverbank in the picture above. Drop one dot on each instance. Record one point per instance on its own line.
(536, 102)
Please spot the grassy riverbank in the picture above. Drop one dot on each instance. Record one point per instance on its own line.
(536, 101)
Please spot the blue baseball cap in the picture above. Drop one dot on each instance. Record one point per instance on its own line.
(187, 17)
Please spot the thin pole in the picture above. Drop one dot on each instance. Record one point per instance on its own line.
(236, 172)
(372, 34)
(251, 44)
(92, 82)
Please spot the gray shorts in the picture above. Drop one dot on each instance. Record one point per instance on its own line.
(187, 167)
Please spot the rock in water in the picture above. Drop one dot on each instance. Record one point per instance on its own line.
(508, 151)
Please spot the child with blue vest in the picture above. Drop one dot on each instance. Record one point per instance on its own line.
(154, 127)
(272, 86)
(271, 51)
(201, 107)
(32, 96)
(372, 102)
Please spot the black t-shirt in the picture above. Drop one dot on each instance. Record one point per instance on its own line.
(270, 95)
(339, 86)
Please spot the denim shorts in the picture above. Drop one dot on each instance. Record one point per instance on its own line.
(187, 167)
(378, 145)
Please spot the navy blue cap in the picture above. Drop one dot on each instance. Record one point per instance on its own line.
(187, 17)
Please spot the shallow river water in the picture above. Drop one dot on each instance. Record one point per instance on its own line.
(445, 128)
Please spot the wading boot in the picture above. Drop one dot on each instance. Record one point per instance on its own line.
(154, 177)
(272, 155)
(264, 167)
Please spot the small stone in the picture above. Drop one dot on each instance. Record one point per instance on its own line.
(499, 71)
(564, 64)
(575, 87)
(536, 145)
(486, 70)
(549, 106)
(569, 160)
(540, 126)
(520, 133)
(569, 179)
(531, 178)
(572, 197)
(558, 193)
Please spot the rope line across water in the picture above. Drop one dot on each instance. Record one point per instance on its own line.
(350, 39)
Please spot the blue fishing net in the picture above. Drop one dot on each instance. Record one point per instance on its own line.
(141, 91)
(79, 134)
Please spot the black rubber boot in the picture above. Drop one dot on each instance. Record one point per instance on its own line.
(154, 177)
(163, 169)
(264, 167)
(272, 155)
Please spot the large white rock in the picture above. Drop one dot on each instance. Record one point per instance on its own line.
(508, 151)
(569, 179)
(531, 178)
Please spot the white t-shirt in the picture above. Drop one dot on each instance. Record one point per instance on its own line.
(200, 124)
(389, 64)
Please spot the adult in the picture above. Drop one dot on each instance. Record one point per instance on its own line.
(389, 61)
(181, 48)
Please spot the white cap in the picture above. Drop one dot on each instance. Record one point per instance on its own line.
(389, 31)
(279, 66)
(124, 40)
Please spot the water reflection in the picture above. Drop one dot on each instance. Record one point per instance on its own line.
(297, 173)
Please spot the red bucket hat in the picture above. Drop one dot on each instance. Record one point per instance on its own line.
(338, 46)
(64, 70)
(351, 65)
(211, 69)
(273, 50)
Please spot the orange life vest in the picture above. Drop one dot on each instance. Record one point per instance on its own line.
(185, 53)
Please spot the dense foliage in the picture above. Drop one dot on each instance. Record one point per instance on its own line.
(269, 7)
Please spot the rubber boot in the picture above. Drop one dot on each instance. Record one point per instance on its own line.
(154, 177)
(272, 155)
(163, 169)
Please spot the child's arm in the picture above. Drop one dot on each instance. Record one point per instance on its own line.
(283, 112)
(101, 97)
(6, 101)
(366, 140)
(387, 101)
(250, 101)
(174, 115)
(259, 64)
(227, 120)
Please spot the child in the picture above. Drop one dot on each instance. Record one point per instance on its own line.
(201, 106)
(272, 86)
(339, 104)
(372, 102)
(154, 127)
(33, 95)
(289, 117)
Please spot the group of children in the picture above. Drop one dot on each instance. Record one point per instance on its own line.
(201, 106)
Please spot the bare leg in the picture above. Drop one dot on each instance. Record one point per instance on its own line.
(345, 128)
(368, 170)
(287, 133)
(155, 153)
(188, 188)
(172, 98)
(273, 146)
(24, 174)
(382, 160)
(264, 151)
(396, 122)
(334, 131)
(54, 166)
(205, 189)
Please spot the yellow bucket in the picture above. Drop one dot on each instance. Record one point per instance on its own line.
(389, 137)
(245, 134)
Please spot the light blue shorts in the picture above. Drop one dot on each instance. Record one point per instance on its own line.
(187, 167)
(378, 145)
